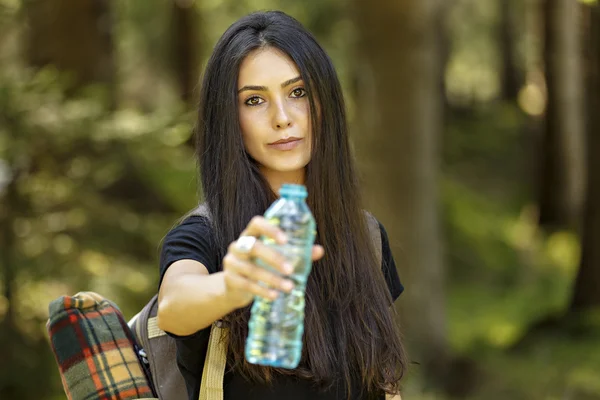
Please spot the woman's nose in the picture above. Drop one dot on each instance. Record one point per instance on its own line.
(282, 118)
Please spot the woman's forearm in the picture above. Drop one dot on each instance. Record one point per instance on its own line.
(189, 302)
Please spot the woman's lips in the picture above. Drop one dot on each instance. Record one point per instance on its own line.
(286, 146)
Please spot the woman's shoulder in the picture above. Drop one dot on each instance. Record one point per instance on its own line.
(197, 218)
(195, 226)
(194, 221)
(191, 238)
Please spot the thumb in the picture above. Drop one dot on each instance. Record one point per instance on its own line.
(317, 252)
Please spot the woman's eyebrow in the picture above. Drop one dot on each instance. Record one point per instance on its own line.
(264, 88)
(251, 87)
(291, 81)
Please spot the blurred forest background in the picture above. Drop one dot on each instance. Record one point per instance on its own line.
(474, 122)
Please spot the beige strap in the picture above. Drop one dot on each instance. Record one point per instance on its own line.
(138, 327)
(211, 385)
(153, 329)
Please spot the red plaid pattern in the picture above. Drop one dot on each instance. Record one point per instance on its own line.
(95, 350)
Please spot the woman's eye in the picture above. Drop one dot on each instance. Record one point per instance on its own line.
(254, 101)
(300, 92)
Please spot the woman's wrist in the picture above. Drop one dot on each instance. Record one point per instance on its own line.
(228, 299)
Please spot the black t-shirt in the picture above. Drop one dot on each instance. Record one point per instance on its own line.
(193, 239)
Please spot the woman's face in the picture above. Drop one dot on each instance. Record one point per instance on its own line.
(274, 113)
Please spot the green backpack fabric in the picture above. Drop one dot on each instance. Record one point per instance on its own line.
(159, 349)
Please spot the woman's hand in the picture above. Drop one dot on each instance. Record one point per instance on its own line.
(242, 276)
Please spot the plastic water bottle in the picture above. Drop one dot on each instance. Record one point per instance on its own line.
(276, 326)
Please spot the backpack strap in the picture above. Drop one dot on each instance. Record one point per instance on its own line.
(200, 211)
(211, 385)
(375, 233)
(159, 350)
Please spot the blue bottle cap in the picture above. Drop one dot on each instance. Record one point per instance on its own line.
(293, 190)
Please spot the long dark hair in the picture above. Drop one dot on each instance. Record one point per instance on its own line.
(350, 332)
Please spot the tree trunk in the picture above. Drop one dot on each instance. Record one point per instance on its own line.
(586, 295)
(444, 47)
(10, 342)
(75, 36)
(510, 75)
(562, 180)
(9, 201)
(399, 105)
(185, 21)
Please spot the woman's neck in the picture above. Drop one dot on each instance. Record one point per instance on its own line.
(278, 178)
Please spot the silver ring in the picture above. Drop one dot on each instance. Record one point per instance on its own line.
(245, 244)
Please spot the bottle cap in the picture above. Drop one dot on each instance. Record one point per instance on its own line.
(293, 190)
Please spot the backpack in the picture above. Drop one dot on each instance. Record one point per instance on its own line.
(95, 351)
(158, 350)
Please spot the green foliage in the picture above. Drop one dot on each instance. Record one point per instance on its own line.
(86, 183)
(505, 275)
(509, 283)
(88, 194)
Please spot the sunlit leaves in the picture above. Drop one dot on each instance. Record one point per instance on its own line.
(72, 219)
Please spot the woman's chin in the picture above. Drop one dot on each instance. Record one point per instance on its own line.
(284, 169)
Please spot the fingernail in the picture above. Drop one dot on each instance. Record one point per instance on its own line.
(273, 294)
(282, 237)
(287, 285)
(288, 268)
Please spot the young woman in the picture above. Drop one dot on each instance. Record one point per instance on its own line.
(272, 112)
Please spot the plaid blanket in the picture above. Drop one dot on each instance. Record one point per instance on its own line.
(95, 350)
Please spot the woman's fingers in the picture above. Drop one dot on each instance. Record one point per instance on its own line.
(240, 284)
(266, 254)
(317, 252)
(242, 275)
(258, 226)
(255, 273)
(273, 257)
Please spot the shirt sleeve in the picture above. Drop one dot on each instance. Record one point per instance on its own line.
(388, 266)
(190, 240)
